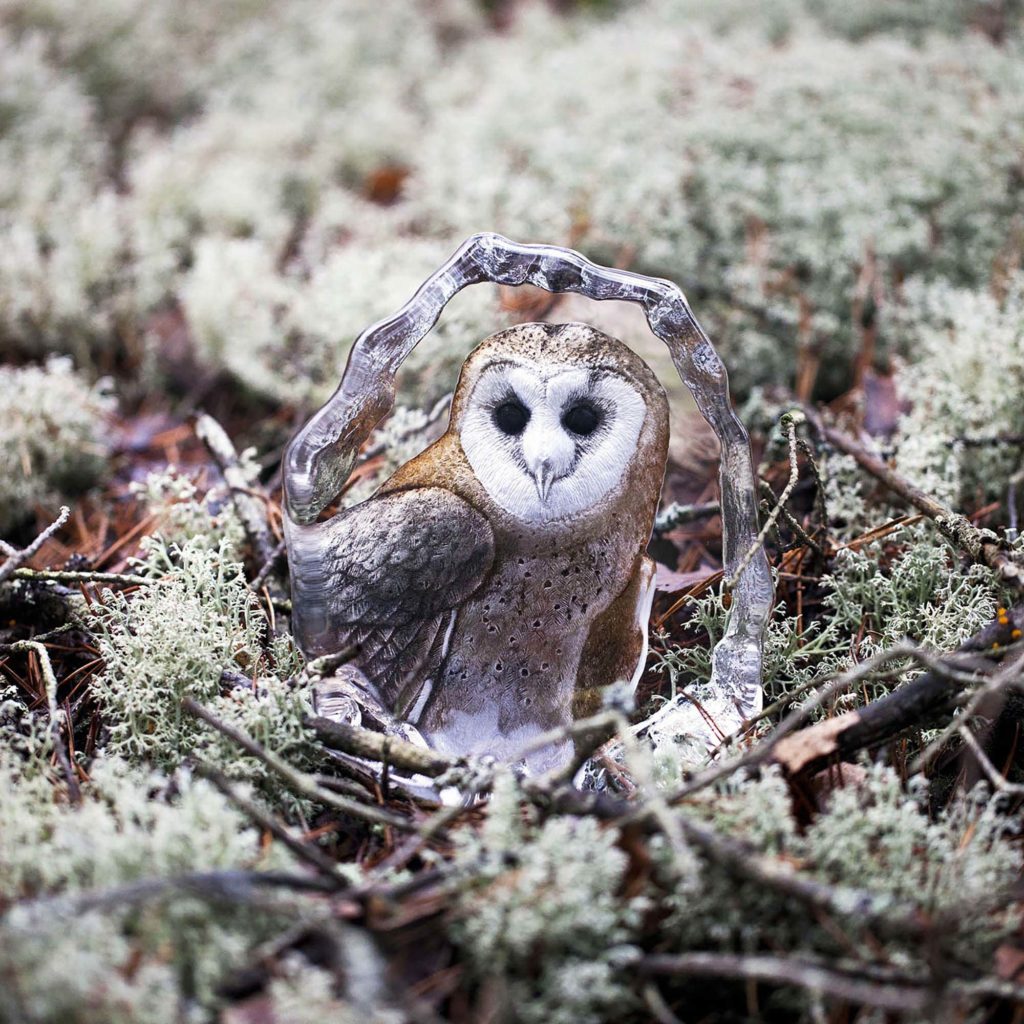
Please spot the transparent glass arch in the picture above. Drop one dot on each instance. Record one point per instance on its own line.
(320, 457)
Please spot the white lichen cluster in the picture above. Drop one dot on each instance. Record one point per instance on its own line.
(286, 174)
(542, 913)
(543, 903)
(177, 638)
(52, 437)
(875, 596)
(125, 958)
(875, 837)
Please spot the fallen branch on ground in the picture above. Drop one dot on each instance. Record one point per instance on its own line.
(980, 545)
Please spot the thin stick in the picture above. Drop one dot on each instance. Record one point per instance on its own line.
(675, 515)
(67, 576)
(979, 545)
(268, 567)
(229, 884)
(993, 775)
(57, 716)
(16, 558)
(909, 996)
(304, 851)
(351, 739)
(298, 782)
(250, 511)
(791, 520)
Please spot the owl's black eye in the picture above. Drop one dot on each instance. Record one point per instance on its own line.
(512, 416)
(581, 418)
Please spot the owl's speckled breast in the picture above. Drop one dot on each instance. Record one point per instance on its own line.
(515, 648)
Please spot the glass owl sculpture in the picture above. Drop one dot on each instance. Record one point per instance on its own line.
(498, 582)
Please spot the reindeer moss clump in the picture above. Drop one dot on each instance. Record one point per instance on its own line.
(543, 915)
(876, 837)
(195, 631)
(52, 426)
(122, 957)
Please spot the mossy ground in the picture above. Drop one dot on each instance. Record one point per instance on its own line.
(211, 200)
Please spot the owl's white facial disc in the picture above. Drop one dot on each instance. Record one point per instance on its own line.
(548, 442)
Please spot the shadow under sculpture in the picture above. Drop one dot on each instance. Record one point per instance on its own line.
(323, 453)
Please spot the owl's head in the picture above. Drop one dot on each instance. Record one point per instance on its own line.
(552, 417)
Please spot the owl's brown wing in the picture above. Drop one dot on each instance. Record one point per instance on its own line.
(388, 575)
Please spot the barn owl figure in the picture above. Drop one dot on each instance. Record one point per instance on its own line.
(498, 581)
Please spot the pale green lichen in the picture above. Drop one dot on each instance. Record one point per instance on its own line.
(126, 961)
(874, 836)
(176, 638)
(53, 428)
(183, 515)
(541, 907)
(239, 308)
(965, 384)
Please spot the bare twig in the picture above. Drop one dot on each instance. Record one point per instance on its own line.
(931, 696)
(250, 511)
(68, 576)
(791, 520)
(299, 782)
(1010, 674)
(675, 515)
(979, 545)
(229, 885)
(375, 746)
(57, 717)
(911, 995)
(789, 423)
(16, 558)
(993, 775)
(312, 855)
(268, 567)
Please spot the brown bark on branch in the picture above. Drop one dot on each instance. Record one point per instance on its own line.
(918, 703)
(375, 746)
(908, 996)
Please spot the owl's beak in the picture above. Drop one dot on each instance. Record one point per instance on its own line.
(543, 478)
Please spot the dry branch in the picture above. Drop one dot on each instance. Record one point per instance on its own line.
(980, 545)
(15, 558)
(312, 855)
(375, 746)
(250, 511)
(916, 704)
(908, 996)
(298, 782)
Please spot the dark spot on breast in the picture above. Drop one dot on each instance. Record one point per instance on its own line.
(547, 584)
(524, 672)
